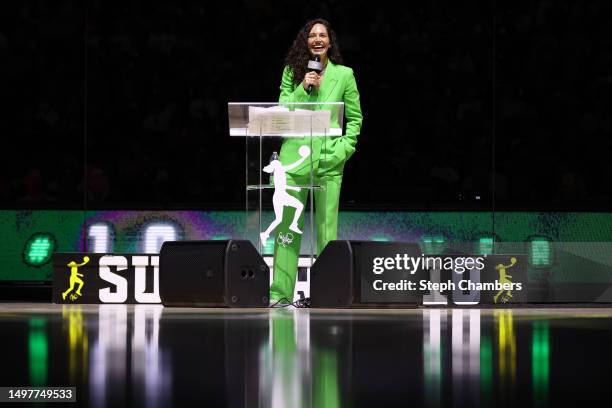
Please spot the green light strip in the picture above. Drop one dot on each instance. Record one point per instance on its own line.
(220, 237)
(433, 244)
(486, 370)
(268, 249)
(38, 249)
(485, 245)
(540, 363)
(540, 252)
(380, 238)
(38, 349)
(432, 365)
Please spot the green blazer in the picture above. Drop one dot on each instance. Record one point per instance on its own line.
(328, 154)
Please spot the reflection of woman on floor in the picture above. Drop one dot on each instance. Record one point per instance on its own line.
(281, 198)
(75, 276)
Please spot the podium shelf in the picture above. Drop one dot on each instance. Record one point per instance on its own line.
(254, 187)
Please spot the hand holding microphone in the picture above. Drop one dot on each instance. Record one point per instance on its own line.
(312, 77)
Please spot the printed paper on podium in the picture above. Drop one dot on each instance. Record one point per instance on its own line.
(280, 121)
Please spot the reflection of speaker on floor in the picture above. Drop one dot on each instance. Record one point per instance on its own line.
(213, 273)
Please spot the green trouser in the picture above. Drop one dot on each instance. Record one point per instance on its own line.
(287, 250)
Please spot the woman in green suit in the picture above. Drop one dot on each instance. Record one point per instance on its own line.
(336, 83)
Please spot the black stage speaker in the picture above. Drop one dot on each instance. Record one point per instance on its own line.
(342, 275)
(332, 276)
(213, 274)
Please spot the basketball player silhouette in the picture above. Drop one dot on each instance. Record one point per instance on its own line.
(504, 278)
(281, 197)
(75, 277)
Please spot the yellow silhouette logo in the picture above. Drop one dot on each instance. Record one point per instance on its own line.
(75, 277)
(504, 278)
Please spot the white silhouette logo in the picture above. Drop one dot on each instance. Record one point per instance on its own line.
(284, 239)
(282, 199)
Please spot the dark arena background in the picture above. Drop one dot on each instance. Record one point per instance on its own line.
(487, 134)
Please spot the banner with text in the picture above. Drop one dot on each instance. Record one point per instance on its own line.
(105, 278)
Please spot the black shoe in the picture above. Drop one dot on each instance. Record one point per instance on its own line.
(279, 304)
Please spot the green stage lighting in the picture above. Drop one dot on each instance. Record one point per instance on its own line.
(540, 252)
(433, 244)
(485, 245)
(38, 249)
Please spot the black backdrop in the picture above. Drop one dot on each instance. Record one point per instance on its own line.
(467, 105)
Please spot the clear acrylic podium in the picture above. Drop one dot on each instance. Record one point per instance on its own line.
(264, 127)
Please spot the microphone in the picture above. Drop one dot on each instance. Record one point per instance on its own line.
(314, 64)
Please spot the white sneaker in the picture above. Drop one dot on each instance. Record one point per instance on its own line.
(295, 229)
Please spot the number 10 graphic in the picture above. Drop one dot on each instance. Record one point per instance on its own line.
(101, 237)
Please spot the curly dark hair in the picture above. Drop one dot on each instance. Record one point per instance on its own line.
(298, 55)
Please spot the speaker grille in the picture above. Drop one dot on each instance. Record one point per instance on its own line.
(191, 272)
(213, 273)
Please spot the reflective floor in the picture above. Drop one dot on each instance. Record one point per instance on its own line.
(151, 356)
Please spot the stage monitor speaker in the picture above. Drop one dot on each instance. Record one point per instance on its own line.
(332, 275)
(336, 278)
(213, 274)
